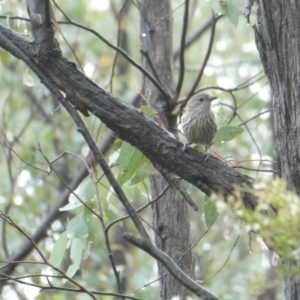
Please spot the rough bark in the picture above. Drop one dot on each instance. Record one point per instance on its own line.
(171, 219)
(157, 144)
(164, 151)
(278, 42)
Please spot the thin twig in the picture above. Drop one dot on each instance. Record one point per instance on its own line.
(171, 266)
(93, 147)
(257, 170)
(123, 53)
(195, 36)
(181, 258)
(93, 212)
(251, 119)
(208, 52)
(52, 287)
(23, 160)
(138, 210)
(7, 219)
(225, 262)
(182, 49)
(107, 243)
(119, 19)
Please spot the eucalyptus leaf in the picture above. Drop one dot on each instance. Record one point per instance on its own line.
(149, 111)
(210, 211)
(143, 171)
(227, 133)
(59, 250)
(5, 58)
(85, 191)
(218, 7)
(233, 11)
(93, 226)
(76, 253)
(129, 160)
(77, 228)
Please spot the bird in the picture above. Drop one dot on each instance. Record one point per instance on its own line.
(198, 121)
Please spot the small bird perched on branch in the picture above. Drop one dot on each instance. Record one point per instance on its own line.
(198, 121)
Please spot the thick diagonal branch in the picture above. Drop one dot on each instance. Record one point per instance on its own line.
(158, 145)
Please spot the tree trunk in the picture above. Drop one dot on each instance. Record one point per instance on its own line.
(278, 42)
(171, 220)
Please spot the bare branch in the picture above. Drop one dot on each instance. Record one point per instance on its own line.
(157, 144)
(172, 267)
(208, 52)
(5, 277)
(182, 49)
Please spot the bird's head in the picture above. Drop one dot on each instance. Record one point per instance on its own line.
(200, 101)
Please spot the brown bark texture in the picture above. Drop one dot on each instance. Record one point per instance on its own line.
(278, 41)
(164, 151)
(161, 147)
(170, 216)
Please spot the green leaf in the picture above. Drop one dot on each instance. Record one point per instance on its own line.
(143, 171)
(148, 111)
(76, 251)
(91, 220)
(218, 7)
(129, 160)
(85, 191)
(59, 249)
(227, 133)
(229, 7)
(72, 205)
(233, 11)
(199, 148)
(92, 205)
(87, 253)
(5, 58)
(93, 227)
(76, 256)
(210, 211)
(77, 228)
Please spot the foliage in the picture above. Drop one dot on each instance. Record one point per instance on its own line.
(35, 127)
(276, 217)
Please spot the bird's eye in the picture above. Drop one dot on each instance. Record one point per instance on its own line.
(200, 99)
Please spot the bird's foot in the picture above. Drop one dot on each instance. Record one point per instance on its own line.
(206, 157)
(185, 147)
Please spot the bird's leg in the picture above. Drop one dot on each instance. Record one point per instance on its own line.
(207, 154)
(206, 157)
(185, 146)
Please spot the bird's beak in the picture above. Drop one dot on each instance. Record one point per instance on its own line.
(212, 98)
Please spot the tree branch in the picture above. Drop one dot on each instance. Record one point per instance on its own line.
(182, 49)
(158, 145)
(172, 267)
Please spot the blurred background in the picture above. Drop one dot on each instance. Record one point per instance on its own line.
(229, 261)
